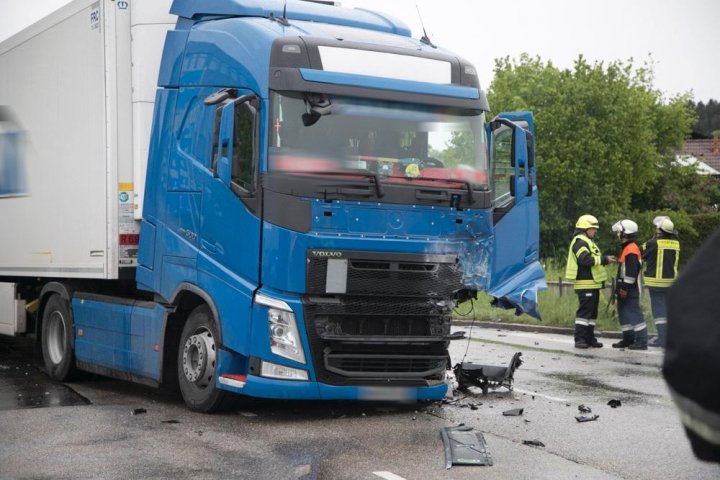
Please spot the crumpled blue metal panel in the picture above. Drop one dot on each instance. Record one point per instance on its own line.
(521, 290)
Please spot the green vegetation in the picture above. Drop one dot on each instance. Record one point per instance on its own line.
(708, 123)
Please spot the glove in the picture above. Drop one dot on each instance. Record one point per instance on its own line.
(621, 293)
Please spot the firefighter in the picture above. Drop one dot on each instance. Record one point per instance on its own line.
(660, 256)
(585, 269)
(692, 357)
(627, 289)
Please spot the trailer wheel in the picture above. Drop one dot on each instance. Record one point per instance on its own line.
(57, 339)
(197, 363)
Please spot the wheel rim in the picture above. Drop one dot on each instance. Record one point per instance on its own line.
(199, 358)
(56, 337)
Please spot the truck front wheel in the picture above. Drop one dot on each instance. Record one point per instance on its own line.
(197, 363)
(57, 339)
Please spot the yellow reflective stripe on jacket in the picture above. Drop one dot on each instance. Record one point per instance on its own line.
(597, 270)
(657, 279)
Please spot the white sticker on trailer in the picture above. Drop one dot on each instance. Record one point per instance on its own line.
(127, 226)
(95, 17)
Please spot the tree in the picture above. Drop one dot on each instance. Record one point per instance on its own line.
(602, 130)
(708, 123)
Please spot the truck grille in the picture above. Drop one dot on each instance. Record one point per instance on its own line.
(379, 318)
(366, 365)
(356, 339)
(396, 275)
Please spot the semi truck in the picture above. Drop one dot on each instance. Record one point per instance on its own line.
(276, 199)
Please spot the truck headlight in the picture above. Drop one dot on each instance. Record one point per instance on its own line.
(284, 336)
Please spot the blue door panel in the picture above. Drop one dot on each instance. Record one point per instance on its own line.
(516, 272)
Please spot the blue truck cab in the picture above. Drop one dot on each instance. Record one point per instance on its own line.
(322, 190)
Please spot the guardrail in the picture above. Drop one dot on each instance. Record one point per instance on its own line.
(561, 287)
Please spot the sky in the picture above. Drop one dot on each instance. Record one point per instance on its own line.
(681, 38)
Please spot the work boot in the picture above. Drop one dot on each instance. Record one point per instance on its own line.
(628, 338)
(655, 343)
(591, 340)
(637, 346)
(581, 336)
(621, 344)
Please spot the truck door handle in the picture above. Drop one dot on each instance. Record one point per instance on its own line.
(210, 247)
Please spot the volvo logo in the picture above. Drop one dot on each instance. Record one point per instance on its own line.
(325, 254)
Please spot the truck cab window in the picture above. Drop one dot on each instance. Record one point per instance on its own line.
(502, 164)
(244, 153)
(243, 164)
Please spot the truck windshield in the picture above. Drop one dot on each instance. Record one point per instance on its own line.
(396, 142)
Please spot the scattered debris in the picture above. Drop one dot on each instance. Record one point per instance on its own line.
(463, 446)
(584, 409)
(537, 343)
(487, 376)
(533, 443)
(614, 403)
(138, 411)
(170, 421)
(248, 414)
(515, 412)
(586, 418)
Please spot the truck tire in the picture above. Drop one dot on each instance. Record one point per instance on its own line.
(58, 329)
(197, 363)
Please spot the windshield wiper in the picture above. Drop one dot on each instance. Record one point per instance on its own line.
(376, 178)
(467, 184)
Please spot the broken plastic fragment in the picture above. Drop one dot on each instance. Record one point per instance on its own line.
(614, 403)
(515, 412)
(586, 418)
(584, 409)
(463, 446)
(487, 376)
(534, 443)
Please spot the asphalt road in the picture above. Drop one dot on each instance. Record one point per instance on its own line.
(108, 429)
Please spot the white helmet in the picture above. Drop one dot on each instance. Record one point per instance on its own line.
(627, 227)
(665, 224)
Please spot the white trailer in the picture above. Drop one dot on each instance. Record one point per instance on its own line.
(77, 92)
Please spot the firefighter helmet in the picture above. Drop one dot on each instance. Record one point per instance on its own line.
(587, 221)
(626, 227)
(664, 224)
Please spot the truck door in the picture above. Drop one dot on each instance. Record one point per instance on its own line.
(516, 273)
(230, 231)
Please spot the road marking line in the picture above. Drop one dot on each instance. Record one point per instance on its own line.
(554, 399)
(388, 476)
